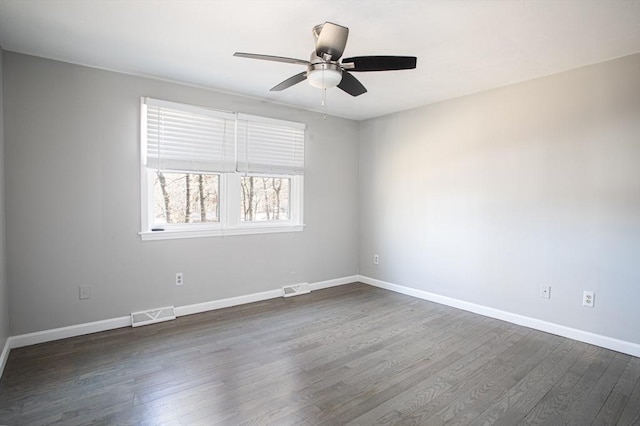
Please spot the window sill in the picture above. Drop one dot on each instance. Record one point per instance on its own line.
(199, 233)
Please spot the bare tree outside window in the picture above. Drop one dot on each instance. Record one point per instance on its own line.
(177, 201)
(265, 198)
(161, 180)
(248, 194)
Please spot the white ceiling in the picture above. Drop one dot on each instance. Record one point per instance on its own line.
(462, 47)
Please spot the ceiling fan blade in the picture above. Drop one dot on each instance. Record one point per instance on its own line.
(271, 58)
(290, 82)
(332, 40)
(380, 63)
(351, 85)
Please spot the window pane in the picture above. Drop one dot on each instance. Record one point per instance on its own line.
(264, 198)
(185, 198)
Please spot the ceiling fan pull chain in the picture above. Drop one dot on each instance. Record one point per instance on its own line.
(324, 104)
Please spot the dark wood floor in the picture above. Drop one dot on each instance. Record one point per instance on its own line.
(346, 355)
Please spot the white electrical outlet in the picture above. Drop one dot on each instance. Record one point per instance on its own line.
(545, 291)
(179, 278)
(376, 259)
(85, 292)
(588, 298)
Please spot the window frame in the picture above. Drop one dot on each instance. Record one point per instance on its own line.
(229, 204)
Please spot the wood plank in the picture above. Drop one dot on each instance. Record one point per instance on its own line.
(631, 414)
(586, 409)
(557, 400)
(620, 396)
(498, 377)
(461, 392)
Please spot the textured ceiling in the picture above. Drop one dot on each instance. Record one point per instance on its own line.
(462, 47)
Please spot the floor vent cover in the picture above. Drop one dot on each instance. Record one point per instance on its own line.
(296, 289)
(152, 316)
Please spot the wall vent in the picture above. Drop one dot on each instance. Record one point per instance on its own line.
(295, 289)
(152, 316)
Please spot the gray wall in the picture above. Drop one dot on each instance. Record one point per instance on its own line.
(4, 295)
(487, 197)
(73, 202)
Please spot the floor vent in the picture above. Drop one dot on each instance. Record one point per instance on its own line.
(152, 316)
(295, 289)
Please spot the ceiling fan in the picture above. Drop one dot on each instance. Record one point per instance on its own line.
(323, 69)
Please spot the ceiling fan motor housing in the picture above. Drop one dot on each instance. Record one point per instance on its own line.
(331, 39)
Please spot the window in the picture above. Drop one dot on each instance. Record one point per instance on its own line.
(264, 198)
(207, 172)
(185, 198)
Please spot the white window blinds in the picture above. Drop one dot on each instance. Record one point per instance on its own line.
(266, 145)
(182, 137)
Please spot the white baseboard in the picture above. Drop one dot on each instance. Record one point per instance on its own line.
(548, 327)
(334, 283)
(70, 331)
(110, 324)
(226, 303)
(4, 355)
(255, 297)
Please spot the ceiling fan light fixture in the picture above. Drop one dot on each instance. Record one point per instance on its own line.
(324, 75)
